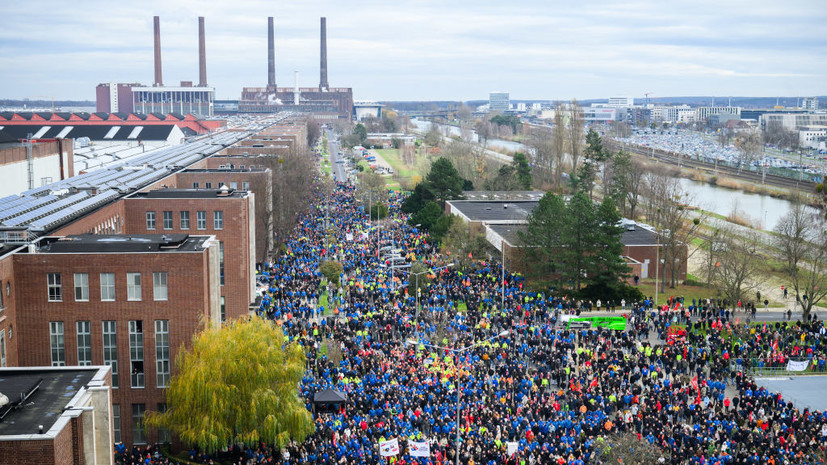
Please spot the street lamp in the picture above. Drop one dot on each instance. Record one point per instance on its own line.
(457, 352)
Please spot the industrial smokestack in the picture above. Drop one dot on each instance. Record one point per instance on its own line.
(296, 92)
(323, 85)
(202, 54)
(271, 55)
(158, 79)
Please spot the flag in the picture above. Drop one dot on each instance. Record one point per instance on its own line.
(470, 255)
(593, 383)
(389, 448)
(419, 449)
(511, 448)
(694, 383)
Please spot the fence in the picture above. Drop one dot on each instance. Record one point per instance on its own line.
(762, 367)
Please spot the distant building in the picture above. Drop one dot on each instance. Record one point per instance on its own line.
(498, 101)
(791, 121)
(621, 102)
(182, 99)
(703, 113)
(56, 415)
(363, 109)
(599, 115)
(810, 103)
(113, 97)
(814, 137)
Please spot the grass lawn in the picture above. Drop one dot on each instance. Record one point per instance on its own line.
(401, 169)
(647, 286)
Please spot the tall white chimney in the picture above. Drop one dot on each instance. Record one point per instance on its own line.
(296, 93)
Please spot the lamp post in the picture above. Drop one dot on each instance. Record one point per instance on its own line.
(457, 352)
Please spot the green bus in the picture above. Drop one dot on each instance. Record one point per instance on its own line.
(616, 323)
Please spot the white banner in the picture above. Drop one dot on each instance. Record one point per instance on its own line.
(419, 449)
(349, 236)
(512, 447)
(798, 366)
(389, 448)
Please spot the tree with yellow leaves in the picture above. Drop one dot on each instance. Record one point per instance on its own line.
(237, 384)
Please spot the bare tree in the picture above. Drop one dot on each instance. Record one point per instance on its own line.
(737, 263)
(576, 134)
(542, 156)
(371, 189)
(800, 235)
(627, 449)
(750, 145)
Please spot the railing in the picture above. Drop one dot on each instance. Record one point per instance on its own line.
(761, 367)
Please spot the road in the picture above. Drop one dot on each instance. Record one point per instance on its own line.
(339, 170)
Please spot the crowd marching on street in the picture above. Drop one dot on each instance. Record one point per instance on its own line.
(489, 360)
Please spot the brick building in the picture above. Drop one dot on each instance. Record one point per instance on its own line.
(126, 301)
(56, 415)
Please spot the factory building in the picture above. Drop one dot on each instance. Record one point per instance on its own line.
(325, 103)
(184, 98)
(28, 163)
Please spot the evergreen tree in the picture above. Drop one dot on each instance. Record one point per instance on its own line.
(523, 170)
(443, 181)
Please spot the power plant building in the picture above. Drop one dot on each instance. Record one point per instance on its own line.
(184, 98)
(324, 102)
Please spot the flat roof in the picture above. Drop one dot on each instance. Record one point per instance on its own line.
(510, 233)
(46, 403)
(481, 210)
(191, 193)
(122, 243)
(503, 195)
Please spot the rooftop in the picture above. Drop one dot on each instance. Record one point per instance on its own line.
(190, 193)
(640, 235)
(133, 243)
(49, 391)
(495, 211)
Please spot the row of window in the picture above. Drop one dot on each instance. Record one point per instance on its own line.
(233, 185)
(109, 333)
(138, 436)
(134, 288)
(184, 220)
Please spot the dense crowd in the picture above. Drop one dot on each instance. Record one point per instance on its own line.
(481, 355)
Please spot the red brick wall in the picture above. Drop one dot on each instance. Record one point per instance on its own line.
(642, 253)
(105, 220)
(8, 316)
(235, 236)
(186, 308)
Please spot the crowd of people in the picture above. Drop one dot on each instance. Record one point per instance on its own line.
(482, 368)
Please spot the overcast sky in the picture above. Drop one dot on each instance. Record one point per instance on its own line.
(426, 50)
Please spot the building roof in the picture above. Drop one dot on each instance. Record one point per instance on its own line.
(105, 131)
(191, 193)
(494, 211)
(503, 195)
(131, 243)
(50, 391)
(638, 237)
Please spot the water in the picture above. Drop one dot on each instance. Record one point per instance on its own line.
(762, 210)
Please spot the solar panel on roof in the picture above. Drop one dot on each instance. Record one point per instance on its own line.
(73, 211)
(46, 209)
(34, 202)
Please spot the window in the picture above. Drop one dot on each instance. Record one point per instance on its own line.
(195, 185)
(201, 220)
(57, 343)
(150, 221)
(108, 287)
(164, 436)
(218, 220)
(2, 348)
(159, 285)
(223, 310)
(245, 185)
(55, 287)
(162, 353)
(133, 286)
(2, 300)
(138, 424)
(84, 335)
(45, 181)
(116, 421)
(167, 220)
(185, 220)
(241, 167)
(136, 353)
(81, 287)
(233, 185)
(222, 167)
(110, 349)
(208, 185)
(221, 260)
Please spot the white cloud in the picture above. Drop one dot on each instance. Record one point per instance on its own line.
(426, 49)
